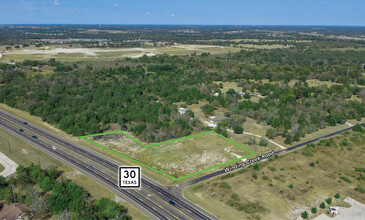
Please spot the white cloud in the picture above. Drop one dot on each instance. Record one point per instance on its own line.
(115, 5)
(172, 15)
(148, 13)
(56, 2)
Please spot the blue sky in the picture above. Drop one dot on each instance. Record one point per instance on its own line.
(236, 12)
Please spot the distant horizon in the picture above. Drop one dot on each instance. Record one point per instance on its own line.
(187, 12)
(236, 25)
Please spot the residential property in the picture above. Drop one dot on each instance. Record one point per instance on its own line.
(215, 119)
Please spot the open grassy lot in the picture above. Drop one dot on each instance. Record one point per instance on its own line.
(264, 46)
(285, 187)
(25, 154)
(1, 168)
(178, 158)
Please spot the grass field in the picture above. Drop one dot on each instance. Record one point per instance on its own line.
(25, 154)
(285, 187)
(1, 168)
(177, 159)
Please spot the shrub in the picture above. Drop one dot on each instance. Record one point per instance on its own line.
(345, 142)
(322, 205)
(225, 185)
(263, 142)
(291, 186)
(254, 175)
(238, 129)
(305, 215)
(314, 210)
(256, 167)
(358, 128)
(337, 196)
(360, 189)
(312, 164)
(329, 201)
(345, 179)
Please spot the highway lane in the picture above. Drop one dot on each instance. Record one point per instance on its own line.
(184, 208)
(219, 172)
(83, 167)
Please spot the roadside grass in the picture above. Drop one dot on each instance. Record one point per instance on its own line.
(1, 168)
(38, 122)
(285, 187)
(25, 154)
(178, 158)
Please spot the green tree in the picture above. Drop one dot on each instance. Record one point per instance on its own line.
(314, 210)
(238, 129)
(305, 215)
(263, 142)
(358, 128)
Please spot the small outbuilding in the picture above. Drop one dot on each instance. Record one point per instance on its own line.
(215, 119)
(183, 110)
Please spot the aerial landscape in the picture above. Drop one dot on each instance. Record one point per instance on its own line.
(182, 110)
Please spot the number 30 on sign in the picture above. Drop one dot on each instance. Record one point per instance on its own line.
(129, 177)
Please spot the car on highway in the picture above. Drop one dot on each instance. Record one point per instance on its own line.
(54, 147)
(91, 167)
(35, 137)
(21, 130)
(172, 202)
(25, 123)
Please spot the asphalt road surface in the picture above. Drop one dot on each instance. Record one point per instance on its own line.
(153, 199)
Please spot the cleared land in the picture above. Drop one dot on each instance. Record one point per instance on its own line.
(25, 154)
(66, 54)
(285, 187)
(178, 158)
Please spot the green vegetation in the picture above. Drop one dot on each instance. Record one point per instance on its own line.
(298, 184)
(304, 215)
(56, 197)
(314, 210)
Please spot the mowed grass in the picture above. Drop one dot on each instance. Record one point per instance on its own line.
(285, 187)
(26, 154)
(178, 158)
(1, 168)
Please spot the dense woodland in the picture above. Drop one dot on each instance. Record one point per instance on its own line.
(141, 95)
(47, 195)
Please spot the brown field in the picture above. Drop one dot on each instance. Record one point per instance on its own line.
(285, 187)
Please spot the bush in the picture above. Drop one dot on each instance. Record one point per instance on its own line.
(329, 201)
(238, 129)
(360, 189)
(225, 185)
(305, 215)
(358, 128)
(256, 167)
(291, 186)
(263, 142)
(312, 164)
(337, 196)
(314, 210)
(322, 205)
(345, 179)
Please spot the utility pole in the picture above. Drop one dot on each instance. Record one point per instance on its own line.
(39, 162)
(9, 147)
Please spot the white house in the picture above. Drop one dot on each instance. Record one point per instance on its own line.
(183, 110)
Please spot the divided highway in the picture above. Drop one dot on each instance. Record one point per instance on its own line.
(152, 198)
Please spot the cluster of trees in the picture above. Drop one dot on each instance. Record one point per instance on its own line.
(56, 197)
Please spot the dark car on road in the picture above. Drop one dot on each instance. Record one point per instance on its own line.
(35, 137)
(91, 167)
(25, 123)
(21, 130)
(172, 202)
